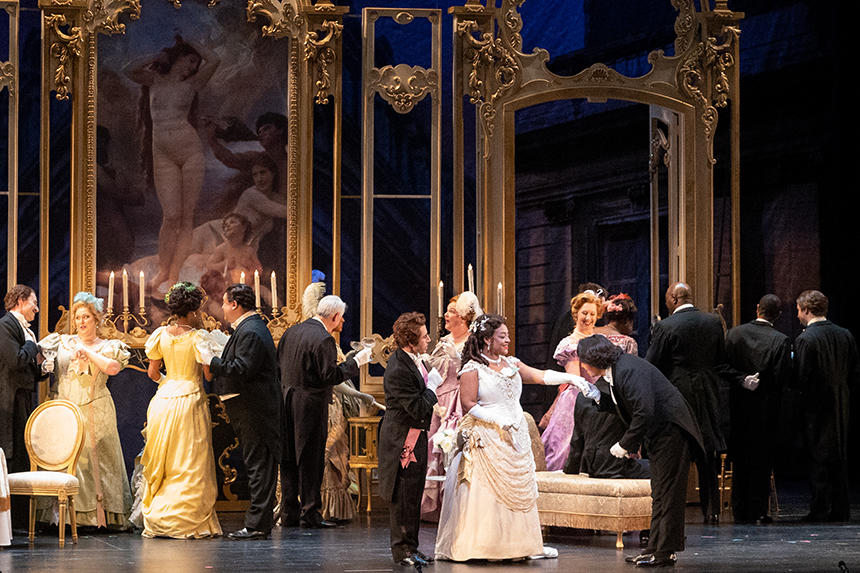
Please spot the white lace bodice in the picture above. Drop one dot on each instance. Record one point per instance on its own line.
(500, 391)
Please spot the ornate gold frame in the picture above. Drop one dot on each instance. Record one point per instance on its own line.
(401, 86)
(70, 58)
(9, 80)
(499, 78)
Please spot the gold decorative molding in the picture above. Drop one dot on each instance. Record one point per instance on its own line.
(321, 53)
(65, 50)
(285, 18)
(402, 85)
(7, 77)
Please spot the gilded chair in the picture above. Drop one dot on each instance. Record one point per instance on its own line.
(54, 437)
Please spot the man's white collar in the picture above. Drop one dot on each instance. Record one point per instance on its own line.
(235, 324)
(682, 307)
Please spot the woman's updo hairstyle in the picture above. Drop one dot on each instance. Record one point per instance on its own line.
(619, 308)
(184, 298)
(481, 329)
(582, 299)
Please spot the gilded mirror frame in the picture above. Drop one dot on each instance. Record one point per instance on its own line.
(700, 78)
(70, 30)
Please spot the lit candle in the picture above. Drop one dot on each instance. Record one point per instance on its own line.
(110, 292)
(274, 291)
(471, 276)
(500, 303)
(242, 278)
(257, 287)
(142, 289)
(124, 288)
(439, 294)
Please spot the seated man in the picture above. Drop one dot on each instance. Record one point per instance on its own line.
(594, 433)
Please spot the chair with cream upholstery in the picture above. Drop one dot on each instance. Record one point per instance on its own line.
(54, 436)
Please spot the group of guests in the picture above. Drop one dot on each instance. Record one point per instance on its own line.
(612, 408)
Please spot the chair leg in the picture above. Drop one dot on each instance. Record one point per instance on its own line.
(74, 519)
(63, 503)
(619, 542)
(32, 521)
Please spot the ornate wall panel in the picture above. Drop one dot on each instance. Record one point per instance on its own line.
(9, 82)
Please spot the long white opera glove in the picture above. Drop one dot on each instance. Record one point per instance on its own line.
(617, 451)
(486, 415)
(553, 378)
(751, 382)
(434, 380)
(362, 357)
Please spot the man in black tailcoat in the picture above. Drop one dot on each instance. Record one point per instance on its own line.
(307, 354)
(409, 398)
(19, 356)
(246, 379)
(826, 370)
(764, 354)
(689, 349)
(657, 415)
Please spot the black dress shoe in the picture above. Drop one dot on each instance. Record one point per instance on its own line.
(317, 524)
(713, 519)
(635, 558)
(814, 518)
(655, 561)
(412, 561)
(426, 558)
(246, 533)
(764, 520)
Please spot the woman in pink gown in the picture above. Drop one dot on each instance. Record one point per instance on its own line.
(586, 309)
(462, 310)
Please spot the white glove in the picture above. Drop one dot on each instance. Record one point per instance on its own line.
(434, 379)
(617, 451)
(486, 415)
(206, 354)
(362, 357)
(366, 398)
(553, 378)
(47, 366)
(751, 382)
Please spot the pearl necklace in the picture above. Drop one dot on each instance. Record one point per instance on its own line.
(497, 361)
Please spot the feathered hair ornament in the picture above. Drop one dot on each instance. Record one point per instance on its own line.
(89, 298)
(467, 306)
(311, 299)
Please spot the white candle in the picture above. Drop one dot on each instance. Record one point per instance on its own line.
(110, 292)
(471, 276)
(439, 294)
(142, 289)
(257, 287)
(124, 288)
(500, 303)
(242, 278)
(274, 291)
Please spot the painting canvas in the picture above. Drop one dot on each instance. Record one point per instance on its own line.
(191, 155)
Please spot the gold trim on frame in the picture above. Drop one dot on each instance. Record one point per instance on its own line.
(9, 81)
(499, 78)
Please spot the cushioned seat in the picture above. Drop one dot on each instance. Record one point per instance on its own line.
(40, 480)
(583, 502)
(54, 436)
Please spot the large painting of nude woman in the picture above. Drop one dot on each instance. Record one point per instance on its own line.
(191, 155)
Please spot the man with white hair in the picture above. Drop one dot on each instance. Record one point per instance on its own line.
(307, 354)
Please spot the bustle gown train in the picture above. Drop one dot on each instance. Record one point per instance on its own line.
(179, 489)
(489, 506)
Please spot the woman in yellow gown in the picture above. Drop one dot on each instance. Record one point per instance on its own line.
(82, 363)
(179, 489)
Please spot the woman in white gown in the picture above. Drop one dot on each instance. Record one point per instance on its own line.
(489, 506)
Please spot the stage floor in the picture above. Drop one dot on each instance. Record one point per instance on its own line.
(362, 546)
